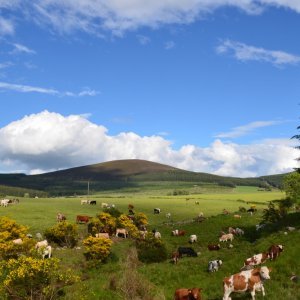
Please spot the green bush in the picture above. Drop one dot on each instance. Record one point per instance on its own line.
(97, 248)
(63, 234)
(151, 250)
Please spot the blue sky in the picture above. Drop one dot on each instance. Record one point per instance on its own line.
(208, 86)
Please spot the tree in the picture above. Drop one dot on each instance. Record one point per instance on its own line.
(297, 136)
(291, 185)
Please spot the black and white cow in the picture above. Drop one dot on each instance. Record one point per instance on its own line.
(156, 211)
(214, 265)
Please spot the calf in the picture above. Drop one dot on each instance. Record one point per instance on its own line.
(18, 241)
(102, 235)
(226, 237)
(250, 280)
(60, 217)
(214, 265)
(193, 238)
(188, 294)
(255, 260)
(121, 231)
(175, 257)
(46, 251)
(186, 251)
(274, 251)
(156, 211)
(212, 247)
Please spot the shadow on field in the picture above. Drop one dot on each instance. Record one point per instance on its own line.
(292, 219)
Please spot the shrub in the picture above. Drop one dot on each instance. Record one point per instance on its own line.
(151, 249)
(107, 222)
(31, 278)
(63, 234)
(124, 222)
(97, 248)
(114, 212)
(10, 230)
(140, 220)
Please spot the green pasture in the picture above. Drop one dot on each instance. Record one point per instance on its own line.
(163, 278)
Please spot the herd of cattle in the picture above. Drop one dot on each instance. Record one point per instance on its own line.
(250, 278)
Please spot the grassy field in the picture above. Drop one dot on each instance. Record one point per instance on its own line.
(162, 279)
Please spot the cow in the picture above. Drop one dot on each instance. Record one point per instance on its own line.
(168, 215)
(188, 251)
(175, 257)
(157, 235)
(84, 201)
(188, 294)
(231, 230)
(41, 244)
(239, 231)
(177, 232)
(60, 217)
(156, 211)
(197, 202)
(237, 216)
(82, 219)
(251, 210)
(255, 260)
(143, 234)
(226, 237)
(250, 280)
(274, 251)
(122, 231)
(104, 205)
(193, 238)
(102, 235)
(259, 226)
(212, 247)
(130, 212)
(18, 241)
(39, 236)
(5, 202)
(214, 265)
(290, 228)
(46, 251)
(92, 202)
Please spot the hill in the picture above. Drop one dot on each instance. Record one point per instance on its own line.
(125, 174)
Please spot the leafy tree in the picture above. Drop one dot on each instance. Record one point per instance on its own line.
(272, 214)
(291, 185)
(297, 136)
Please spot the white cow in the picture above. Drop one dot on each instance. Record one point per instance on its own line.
(193, 238)
(41, 244)
(122, 231)
(4, 202)
(157, 235)
(226, 237)
(18, 241)
(84, 201)
(46, 251)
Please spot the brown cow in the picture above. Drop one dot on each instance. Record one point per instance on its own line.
(82, 219)
(212, 247)
(60, 217)
(250, 280)
(255, 260)
(188, 294)
(274, 251)
(175, 257)
(177, 232)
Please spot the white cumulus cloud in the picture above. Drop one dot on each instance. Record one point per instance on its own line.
(48, 141)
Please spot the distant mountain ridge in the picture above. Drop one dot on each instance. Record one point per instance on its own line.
(125, 173)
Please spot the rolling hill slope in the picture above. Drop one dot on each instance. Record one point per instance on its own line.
(124, 173)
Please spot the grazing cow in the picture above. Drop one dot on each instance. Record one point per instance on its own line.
(225, 212)
(259, 226)
(5, 202)
(231, 230)
(121, 231)
(84, 201)
(250, 280)
(175, 257)
(46, 251)
(104, 205)
(255, 260)
(82, 219)
(186, 251)
(294, 278)
(104, 235)
(239, 231)
(157, 235)
(41, 244)
(226, 237)
(274, 251)
(38, 236)
(168, 215)
(130, 206)
(143, 234)
(156, 211)
(60, 217)
(289, 228)
(213, 265)
(212, 247)
(177, 232)
(18, 241)
(201, 214)
(130, 212)
(92, 202)
(237, 216)
(251, 210)
(193, 238)
(188, 294)
(197, 202)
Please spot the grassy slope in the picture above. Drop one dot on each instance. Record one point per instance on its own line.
(40, 214)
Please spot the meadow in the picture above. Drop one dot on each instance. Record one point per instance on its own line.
(161, 279)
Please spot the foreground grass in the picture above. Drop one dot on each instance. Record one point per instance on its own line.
(163, 278)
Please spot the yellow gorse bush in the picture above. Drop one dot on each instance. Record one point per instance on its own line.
(10, 230)
(97, 248)
(124, 222)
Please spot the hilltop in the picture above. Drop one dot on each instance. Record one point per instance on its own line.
(129, 173)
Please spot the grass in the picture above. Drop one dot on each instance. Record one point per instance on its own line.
(164, 278)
